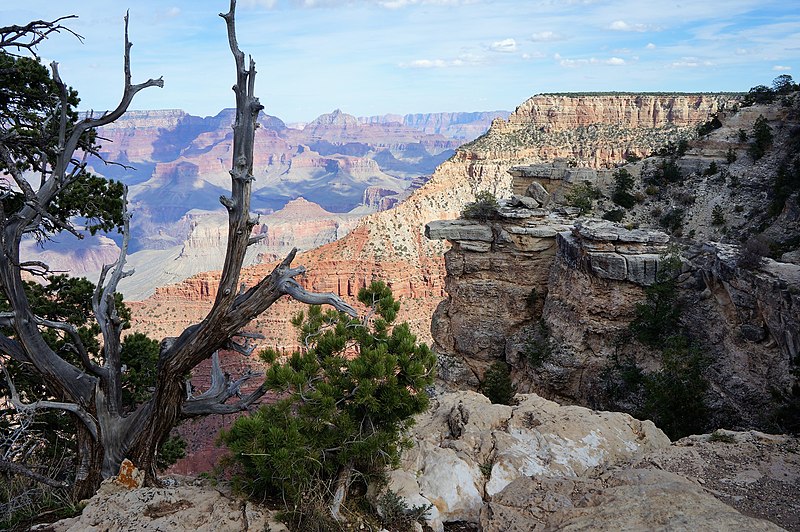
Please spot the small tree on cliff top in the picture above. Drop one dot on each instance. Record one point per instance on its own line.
(42, 135)
(348, 398)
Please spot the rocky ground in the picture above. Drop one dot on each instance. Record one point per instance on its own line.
(756, 473)
(532, 466)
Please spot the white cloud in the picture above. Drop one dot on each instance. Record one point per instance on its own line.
(398, 4)
(504, 46)
(267, 4)
(781, 68)
(690, 62)
(742, 51)
(533, 55)
(650, 46)
(547, 36)
(621, 25)
(460, 61)
(572, 63)
(173, 12)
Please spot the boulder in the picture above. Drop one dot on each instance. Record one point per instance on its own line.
(536, 191)
(623, 499)
(458, 230)
(493, 445)
(185, 508)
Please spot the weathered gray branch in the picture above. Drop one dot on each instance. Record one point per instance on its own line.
(17, 403)
(293, 289)
(19, 469)
(77, 343)
(105, 311)
(222, 388)
(30, 35)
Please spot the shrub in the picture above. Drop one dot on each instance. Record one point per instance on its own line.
(707, 127)
(583, 196)
(762, 138)
(784, 84)
(674, 396)
(172, 450)
(615, 215)
(667, 171)
(742, 135)
(672, 221)
(712, 169)
(683, 145)
(758, 94)
(658, 315)
(497, 385)
(787, 182)
(730, 156)
(623, 183)
(532, 299)
(485, 207)
(717, 216)
(719, 436)
(752, 253)
(538, 348)
(395, 513)
(347, 400)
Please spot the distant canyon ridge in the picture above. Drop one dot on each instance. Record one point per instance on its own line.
(313, 183)
(591, 131)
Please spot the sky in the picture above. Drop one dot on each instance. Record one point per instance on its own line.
(373, 57)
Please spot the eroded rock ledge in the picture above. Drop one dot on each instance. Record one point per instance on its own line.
(541, 466)
(499, 276)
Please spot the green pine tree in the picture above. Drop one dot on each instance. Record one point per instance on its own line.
(347, 399)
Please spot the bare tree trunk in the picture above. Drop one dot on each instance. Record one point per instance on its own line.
(91, 391)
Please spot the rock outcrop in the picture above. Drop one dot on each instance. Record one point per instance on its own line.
(743, 320)
(499, 444)
(536, 465)
(186, 506)
(500, 274)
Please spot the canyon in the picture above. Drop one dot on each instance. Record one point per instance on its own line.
(390, 245)
(543, 269)
(174, 165)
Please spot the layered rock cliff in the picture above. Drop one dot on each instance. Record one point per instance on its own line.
(560, 309)
(391, 246)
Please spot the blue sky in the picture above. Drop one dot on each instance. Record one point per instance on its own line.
(372, 57)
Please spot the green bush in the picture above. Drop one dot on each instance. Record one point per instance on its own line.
(730, 156)
(395, 513)
(623, 184)
(674, 396)
(673, 220)
(657, 317)
(712, 169)
(786, 183)
(758, 94)
(485, 207)
(707, 127)
(717, 216)
(497, 385)
(667, 171)
(614, 215)
(683, 145)
(347, 400)
(538, 347)
(583, 196)
(752, 253)
(172, 450)
(762, 138)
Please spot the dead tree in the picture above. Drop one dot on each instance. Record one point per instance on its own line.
(91, 392)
